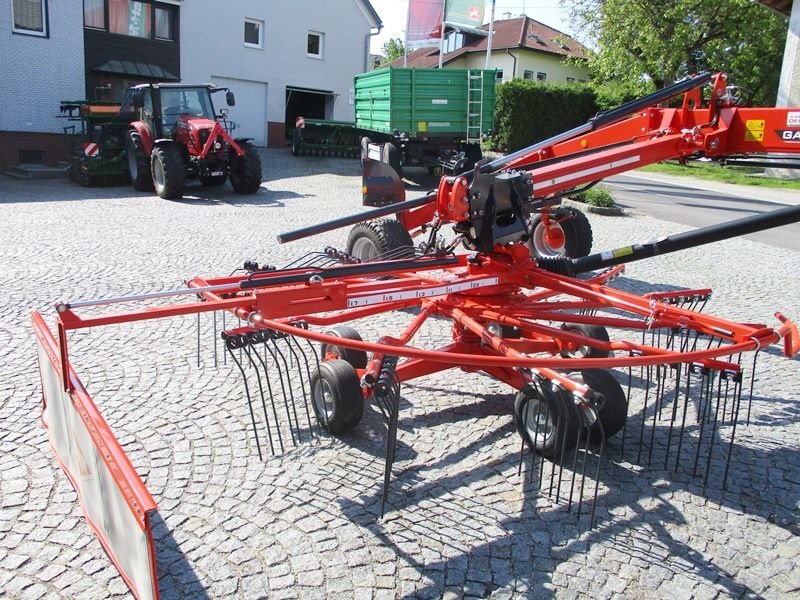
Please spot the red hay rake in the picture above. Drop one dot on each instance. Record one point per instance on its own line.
(575, 349)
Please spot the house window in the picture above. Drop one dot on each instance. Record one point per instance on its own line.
(498, 76)
(129, 17)
(541, 76)
(94, 14)
(315, 46)
(253, 33)
(163, 19)
(30, 17)
(528, 74)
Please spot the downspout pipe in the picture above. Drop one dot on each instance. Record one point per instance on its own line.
(368, 44)
(514, 68)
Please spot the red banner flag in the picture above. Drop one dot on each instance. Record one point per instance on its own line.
(424, 25)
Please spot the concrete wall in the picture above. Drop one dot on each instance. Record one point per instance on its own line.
(38, 72)
(282, 61)
(556, 69)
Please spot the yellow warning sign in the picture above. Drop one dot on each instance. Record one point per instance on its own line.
(422, 126)
(754, 130)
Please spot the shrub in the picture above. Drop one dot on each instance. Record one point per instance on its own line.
(528, 112)
(596, 196)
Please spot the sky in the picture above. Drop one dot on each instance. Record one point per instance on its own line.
(393, 14)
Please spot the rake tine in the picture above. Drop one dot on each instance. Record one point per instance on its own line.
(224, 354)
(268, 344)
(675, 402)
(289, 400)
(585, 454)
(706, 387)
(752, 383)
(214, 315)
(714, 424)
(294, 348)
(231, 346)
(387, 390)
(737, 400)
(683, 420)
(250, 351)
(198, 340)
(644, 415)
(263, 362)
(313, 353)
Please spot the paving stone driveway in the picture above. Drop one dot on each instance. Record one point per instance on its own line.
(305, 524)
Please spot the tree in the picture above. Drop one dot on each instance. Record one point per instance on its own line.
(652, 43)
(393, 49)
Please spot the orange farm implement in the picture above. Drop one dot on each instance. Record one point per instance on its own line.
(566, 342)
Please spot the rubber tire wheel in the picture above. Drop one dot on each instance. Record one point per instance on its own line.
(566, 416)
(577, 235)
(365, 142)
(245, 171)
(345, 403)
(357, 358)
(615, 411)
(390, 154)
(213, 180)
(372, 240)
(596, 332)
(167, 160)
(138, 163)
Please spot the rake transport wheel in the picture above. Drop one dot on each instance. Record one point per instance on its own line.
(357, 358)
(336, 395)
(245, 171)
(373, 239)
(597, 332)
(614, 412)
(571, 237)
(138, 163)
(169, 172)
(545, 421)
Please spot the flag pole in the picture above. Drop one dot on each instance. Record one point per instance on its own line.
(405, 37)
(441, 34)
(489, 41)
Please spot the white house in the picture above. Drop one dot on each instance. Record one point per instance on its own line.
(41, 61)
(281, 58)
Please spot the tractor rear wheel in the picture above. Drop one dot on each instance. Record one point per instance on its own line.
(138, 163)
(336, 395)
(245, 171)
(570, 237)
(548, 423)
(379, 239)
(169, 172)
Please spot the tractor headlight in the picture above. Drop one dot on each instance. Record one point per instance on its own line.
(217, 146)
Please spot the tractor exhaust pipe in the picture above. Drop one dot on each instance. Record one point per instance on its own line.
(680, 241)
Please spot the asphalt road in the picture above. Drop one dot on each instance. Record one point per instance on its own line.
(683, 201)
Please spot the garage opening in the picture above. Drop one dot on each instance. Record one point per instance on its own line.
(308, 103)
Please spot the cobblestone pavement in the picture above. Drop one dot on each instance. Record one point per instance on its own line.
(461, 520)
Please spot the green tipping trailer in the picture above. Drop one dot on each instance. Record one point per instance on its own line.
(410, 116)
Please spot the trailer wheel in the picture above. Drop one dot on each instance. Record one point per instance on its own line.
(379, 239)
(365, 142)
(336, 396)
(571, 238)
(245, 171)
(390, 154)
(213, 180)
(138, 163)
(169, 172)
(614, 412)
(357, 358)
(597, 332)
(546, 423)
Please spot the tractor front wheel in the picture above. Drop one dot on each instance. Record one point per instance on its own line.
(382, 239)
(568, 234)
(138, 163)
(169, 172)
(245, 171)
(336, 395)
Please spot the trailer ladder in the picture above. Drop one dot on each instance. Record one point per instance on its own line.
(474, 105)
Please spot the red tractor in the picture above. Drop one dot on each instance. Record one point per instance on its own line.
(177, 136)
